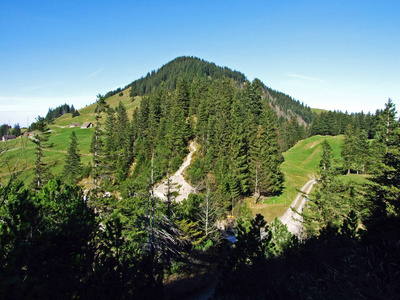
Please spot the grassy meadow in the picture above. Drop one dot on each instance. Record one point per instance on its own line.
(87, 113)
(300, 165)
(23, 150)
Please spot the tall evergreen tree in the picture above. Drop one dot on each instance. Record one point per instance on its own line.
(325, 163)
(387, 188)
(363, 155)
(182, 96)
(96, 148)
(73, 165)
(274, 157)
(239, 149)
(41, 138)
(124, 142)
(349, 149)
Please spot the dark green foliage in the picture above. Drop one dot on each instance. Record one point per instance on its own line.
(101, 104)
(4, 130)
(45, 243)
(387, 179)
(75, 114)
(190, 67)
(7, 130)
(16, 130)
(349, 149)
(336, 122)
(96, 148)
(333, 202)
(53, 114)
(352, 246)
(290, 105)
(290, 132)
(266, 157)
(41, 138)
(326, 162)
(73, 165)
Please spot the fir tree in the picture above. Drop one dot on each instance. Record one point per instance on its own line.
(239, 149)
(182, 96)
(349, 149)
(41, 138)
(363, 151)
(96, 148)
(386, 190)
(325, 163)
(73, 165)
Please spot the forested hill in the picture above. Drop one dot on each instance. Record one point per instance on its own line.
(192, 68)
(290, 106)
(185, 67)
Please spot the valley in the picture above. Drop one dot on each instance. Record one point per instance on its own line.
(172, 156)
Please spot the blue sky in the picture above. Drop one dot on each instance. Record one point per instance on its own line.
(329, 54)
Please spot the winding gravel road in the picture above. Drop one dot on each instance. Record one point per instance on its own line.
(292, 219)
(178, 182)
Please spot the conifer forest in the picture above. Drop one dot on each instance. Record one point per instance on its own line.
(111, 222)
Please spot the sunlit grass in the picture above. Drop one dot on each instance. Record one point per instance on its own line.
(87, 113)
(300, 165)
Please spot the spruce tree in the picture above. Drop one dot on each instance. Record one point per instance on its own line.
(110, 141)
(325, 164)
(387, 188)
(124, 142)
(274, 154)
(96, 148)
(363, 155)
(182, 96)
(73, 165)
(41, 138)
(349, 149)
(239, 149)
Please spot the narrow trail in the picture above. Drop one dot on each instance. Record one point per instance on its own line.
(292, 219)
(178, 182)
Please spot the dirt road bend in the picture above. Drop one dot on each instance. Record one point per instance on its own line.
(178, 182)
(290, 218)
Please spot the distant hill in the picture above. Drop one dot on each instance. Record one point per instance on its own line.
(185, 67)
(193, 67)
(188, 68)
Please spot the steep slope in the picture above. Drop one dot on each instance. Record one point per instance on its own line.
(188, 68)
(193, 67)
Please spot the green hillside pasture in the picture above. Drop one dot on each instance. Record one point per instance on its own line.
(300, 165)
(87, 113)
(60, 137)
(54, 157)
(318, 110)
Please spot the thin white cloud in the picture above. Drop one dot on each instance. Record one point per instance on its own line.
(94, 74)
(305, 77)
(40, 87)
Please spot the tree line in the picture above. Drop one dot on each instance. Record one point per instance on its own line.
(119, 240)
(53, 114)
(6, 129)
(350, 247)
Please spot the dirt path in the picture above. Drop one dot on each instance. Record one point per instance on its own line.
(178, 182)
(290, 218)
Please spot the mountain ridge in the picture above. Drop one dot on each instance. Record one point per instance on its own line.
(189, 68)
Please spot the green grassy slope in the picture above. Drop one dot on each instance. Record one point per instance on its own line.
(54, 157)
(318, 110)
(87, 113)
(300, 165)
